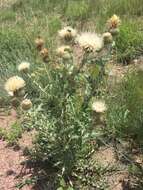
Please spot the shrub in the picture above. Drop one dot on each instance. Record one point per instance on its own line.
(125, 109)
(66, 87)
(64, 117)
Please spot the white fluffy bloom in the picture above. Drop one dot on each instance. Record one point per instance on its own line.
(99, 106)
(14, 84)
(90, 40)
(24, 66)
(67, 33)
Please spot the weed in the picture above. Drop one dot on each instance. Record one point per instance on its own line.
(13, 134)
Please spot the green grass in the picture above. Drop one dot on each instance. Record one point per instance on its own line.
(77, 10)
(24, 20)
(16, 46)
(130, 41)
(12, 134)
(125, 108)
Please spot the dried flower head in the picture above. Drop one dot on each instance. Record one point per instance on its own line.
(90, 41)
(44, 53)
(99, 106)
(113, 22)
(26, 104)
(24, 67)
(39, 43)
(67, 33)
(61, 51)
(107, 37)
(14, 84)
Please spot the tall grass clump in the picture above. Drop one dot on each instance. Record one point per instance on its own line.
(125, 109)
(129, 42)
(14, 48)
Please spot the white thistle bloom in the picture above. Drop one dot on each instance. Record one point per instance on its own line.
(88, 40)
(24, 66)
(14, 84)
(67, 33)
(99, 106)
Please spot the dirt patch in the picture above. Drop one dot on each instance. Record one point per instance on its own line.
(10, 167)
(27, 139)
(117, 72)
(116, 180)
(105, 156)
(11, 160)
(116, 173)
(6, 120)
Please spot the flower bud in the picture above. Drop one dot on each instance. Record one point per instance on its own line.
(39, 43)
(44, 54)
(26, 104)
(114, 31)
(107, 37)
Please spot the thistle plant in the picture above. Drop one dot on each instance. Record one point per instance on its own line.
(15, 87)
(63, 115)
(113, 24)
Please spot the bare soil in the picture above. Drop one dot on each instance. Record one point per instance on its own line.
(11, 168)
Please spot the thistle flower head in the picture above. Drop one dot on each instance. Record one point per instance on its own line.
(44, 53)
(107, 37)
(39, 43)
(113, 22)
(26, 104)
(90, 41)
(99, 106)
(24, 67)
(67, 33)
(61, 51)
(14, 84)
